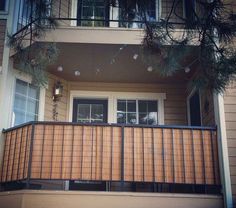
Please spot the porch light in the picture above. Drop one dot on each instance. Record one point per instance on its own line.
(77, 73)
(150, 69)
(60, 68)
(57, 90)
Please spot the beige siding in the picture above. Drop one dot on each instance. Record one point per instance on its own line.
(62, 104)
(2, 38)
(230, 118)
(174, 105)
(81, 199)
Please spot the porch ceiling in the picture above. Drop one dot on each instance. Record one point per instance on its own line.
(106, 63)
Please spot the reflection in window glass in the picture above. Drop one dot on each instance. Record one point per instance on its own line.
(90, 113)
(26, 103)
(147, 112)
(93, 9)
(137, 112)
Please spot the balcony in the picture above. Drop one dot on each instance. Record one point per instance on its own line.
(84, 22)
(110, 153)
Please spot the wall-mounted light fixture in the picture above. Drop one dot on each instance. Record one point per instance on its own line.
(57, 91)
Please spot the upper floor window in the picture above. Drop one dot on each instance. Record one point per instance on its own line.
(189, 8)
(26, 103)
(3, 5)
(93, 13)
(135, 15)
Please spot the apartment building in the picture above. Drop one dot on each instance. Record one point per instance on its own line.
(107, 130)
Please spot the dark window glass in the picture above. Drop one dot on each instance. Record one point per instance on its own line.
(2, 5)
(147, 112)
(195, 113)
(189, 8)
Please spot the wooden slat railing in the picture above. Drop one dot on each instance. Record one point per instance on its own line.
(68, 151)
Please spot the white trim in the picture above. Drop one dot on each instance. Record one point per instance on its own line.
(74, 12)
(194, 90)
(112, 98)
(223, 150)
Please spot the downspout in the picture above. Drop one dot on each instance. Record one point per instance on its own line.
(223, 150)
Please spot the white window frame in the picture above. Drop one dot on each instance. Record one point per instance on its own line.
(42, 93)
(194, 90)
(113, 97)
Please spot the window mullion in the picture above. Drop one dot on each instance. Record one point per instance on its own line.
(137, 112)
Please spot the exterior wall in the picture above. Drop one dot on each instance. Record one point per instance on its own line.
(61, 199)
(230, 119)
(175, 109)
(62, 104)
(2, 38)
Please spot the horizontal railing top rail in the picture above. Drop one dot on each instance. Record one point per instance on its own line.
(95, 16)
(213, 128)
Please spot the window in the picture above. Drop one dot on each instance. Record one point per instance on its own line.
(90, 10)
(90, 111)
(189, 8)
(135, 14)
(194, 106)
(26, 103)
(137, 112)
(3, 5)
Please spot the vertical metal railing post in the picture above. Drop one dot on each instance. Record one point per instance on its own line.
(122, 157)
(30, 156)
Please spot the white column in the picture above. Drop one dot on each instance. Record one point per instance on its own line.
(223, 150)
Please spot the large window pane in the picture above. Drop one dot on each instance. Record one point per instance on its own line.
(147, 112)
(2, 5)
(83, 112)
(97, 112)
(21, 87)
(26, 103)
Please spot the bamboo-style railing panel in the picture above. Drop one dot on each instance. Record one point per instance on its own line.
(66, 151)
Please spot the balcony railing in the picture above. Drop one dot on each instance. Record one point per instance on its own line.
(69, 14)
(104, 152)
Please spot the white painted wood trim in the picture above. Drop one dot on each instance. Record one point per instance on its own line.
(223, 149)
(112, 98)
(74, 12)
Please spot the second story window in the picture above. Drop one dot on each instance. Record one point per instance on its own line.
(93, 13)
(132, 15)
(2, 5)
(189, 8)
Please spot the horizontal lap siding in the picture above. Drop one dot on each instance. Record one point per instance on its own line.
(230, 118)
(2, 38)
(175, 109)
